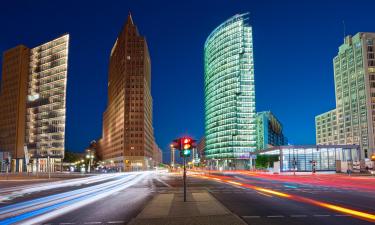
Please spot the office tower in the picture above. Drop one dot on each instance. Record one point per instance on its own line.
(229, 94)
(33, 104)
(269, 131)
(128, 137)
(46, 102)
(352, 122)
(13, 101)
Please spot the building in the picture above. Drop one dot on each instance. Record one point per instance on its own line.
(33, 96)
(13, 93)
(157, 155)
(352, 122)
(46, 103)
(230, 127)
(305, 158)
(269, 131)
(128, 137)
(200, 150)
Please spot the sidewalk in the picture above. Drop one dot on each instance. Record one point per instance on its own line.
(200, 209)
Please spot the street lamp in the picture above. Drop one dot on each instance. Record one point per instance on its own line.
(172, 155)
(90, 157)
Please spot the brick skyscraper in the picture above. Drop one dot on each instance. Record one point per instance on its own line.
(128, 136)
(13, 100)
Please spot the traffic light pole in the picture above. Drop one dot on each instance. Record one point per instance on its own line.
(184, 179)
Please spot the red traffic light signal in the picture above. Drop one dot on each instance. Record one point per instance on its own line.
(186, 143)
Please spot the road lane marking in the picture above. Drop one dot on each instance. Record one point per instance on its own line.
(358, 214)
(120, 221)
(276, 216)
(250, 217)
(264, 194)
(92, 222)
(297, 216)
(341, 215)
(318, 215)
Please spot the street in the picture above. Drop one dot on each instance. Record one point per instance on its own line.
(107, 198)
(263, 202)
(259, 199)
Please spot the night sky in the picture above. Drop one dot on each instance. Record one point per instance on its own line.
(294, 43)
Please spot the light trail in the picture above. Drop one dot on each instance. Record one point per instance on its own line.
(43, 209)
(46, 200)
(14, 192)
(355, 213)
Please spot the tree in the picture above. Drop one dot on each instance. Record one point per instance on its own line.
(265, 161)
(71, 157)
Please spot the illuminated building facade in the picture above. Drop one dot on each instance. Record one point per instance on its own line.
(353, 120)
(46, 102)
(269, 131)
(305, 158)
(128, 137)
(230, 127)
(32, 112)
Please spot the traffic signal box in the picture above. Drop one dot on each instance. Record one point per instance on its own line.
(185, 145)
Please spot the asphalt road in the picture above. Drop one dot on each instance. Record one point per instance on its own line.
(117, 198)
(260, 208)
(103, 199)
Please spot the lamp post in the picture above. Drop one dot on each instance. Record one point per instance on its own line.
(90, 157)
(172, 156)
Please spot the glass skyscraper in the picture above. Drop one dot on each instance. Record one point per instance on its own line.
(269, 131)
(230, 126)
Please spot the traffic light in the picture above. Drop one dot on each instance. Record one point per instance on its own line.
(187, 143)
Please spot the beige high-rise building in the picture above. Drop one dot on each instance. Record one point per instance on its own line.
(46, 102)
(128, 137)
(353, 120)
(32, 104)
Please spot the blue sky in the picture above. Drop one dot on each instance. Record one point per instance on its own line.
(294, 43)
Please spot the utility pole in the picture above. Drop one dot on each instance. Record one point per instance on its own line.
(184, 159)
(48, 166)
(185, 145)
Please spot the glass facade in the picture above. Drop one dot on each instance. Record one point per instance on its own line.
(46, 98)
(325, 156)
(230, 128)
(269, 131)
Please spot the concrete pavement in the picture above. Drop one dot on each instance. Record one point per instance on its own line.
(199, 209)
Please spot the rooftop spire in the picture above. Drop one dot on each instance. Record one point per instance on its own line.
(130, 19)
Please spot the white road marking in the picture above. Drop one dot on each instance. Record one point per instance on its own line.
(277, 216)
(163, 182)
(121, 222)
(265, 194)
(250, 217)
(341, 215)
(318, 215)
(298, 216)
(92, 222)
